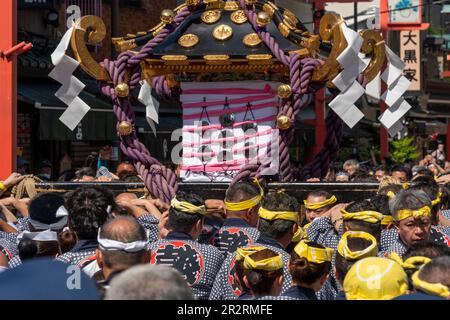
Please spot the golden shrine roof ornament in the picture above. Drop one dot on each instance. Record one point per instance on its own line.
(213, 20)
(243, 37)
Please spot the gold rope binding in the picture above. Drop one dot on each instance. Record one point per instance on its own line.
(26, 187)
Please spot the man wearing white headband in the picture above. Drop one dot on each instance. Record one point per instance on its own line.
(46, 212)
(122, 243)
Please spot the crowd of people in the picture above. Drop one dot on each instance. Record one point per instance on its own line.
(93, 244)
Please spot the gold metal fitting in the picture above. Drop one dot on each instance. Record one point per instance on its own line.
(250, 2)
(283, 122)
(192, 3)
(125, 128)
(167, 16)
(263, 19)
(284, 91)
(122, 90)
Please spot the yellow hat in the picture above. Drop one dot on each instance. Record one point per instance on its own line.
(367, 216)
(437, 200)
(410, 263)
(406, 213)
(246, 204)
(387, 219)
(187, 207)
(299, 235)
(313, 254)
(344, 250)
(435, 289)
(269, 264)
(245, 251)
(318, 205)
(375, 278)
(278, 215)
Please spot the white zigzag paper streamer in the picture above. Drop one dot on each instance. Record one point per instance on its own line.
(397, 85)
(352, 65)
(151, 105)
(71, 86)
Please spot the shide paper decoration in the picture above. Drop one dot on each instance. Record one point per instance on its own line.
(71, 86)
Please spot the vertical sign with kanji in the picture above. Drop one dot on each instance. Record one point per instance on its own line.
(410, 54)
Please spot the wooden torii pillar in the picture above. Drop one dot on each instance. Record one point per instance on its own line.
(8, 88)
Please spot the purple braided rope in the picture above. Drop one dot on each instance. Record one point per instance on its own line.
(318, 168)
(159, 180)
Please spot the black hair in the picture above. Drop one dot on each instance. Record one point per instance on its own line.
(277, 201)
(381, 204)
(29, 249)
(395, 188)
(306, 272)
(67, 240)
(341, 264)
(241, 191)
(85, 171)
(424, 172)
(88, 210)
(359, 225)
(404, 169)
(129, 177)
(44, 206)
(436, 271)
(117, 258)
(181, 221)
(361, 176)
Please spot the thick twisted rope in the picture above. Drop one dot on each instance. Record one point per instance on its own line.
(160, 181)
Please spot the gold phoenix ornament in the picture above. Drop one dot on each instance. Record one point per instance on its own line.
(188, 40)
(252, 40)
(222, 32)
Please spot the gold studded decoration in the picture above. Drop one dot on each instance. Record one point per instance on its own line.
(263, 19)
(122, 90)
(284, 91)
(192, 3)
(188, 40)
(222, 32)
(252, 40)
(167, 16)
(211, 16)
(125, 128)
(239, 17)
(283, 122)
(250, 2)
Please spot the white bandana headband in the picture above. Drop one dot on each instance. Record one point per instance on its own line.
(113, 245)
(46, 235)
(60, 213)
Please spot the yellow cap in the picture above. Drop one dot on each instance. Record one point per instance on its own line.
(367, 216)
(406, 213)
(435, 289)
(344, 250)
(299, 235)
(246, 204)
(437, 200)
(410, 263)
(269, 264)
(187, 207)
(318, 205)
(375, 278)
(245, 251)
(278, 215)
(313, 254)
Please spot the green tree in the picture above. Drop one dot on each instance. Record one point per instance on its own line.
(402, 150)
